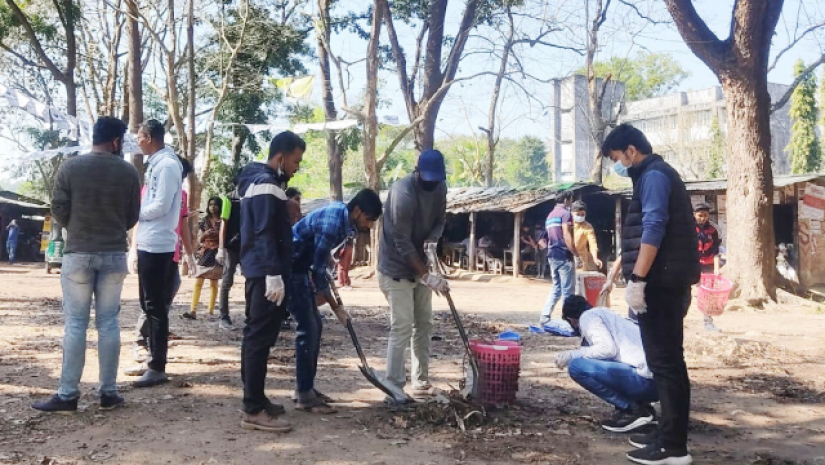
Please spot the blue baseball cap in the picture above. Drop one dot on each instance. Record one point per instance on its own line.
(431, 166)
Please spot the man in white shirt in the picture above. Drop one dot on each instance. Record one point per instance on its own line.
(610, 364)
(153, 254)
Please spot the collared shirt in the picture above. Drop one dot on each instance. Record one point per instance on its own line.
(709, 242)
(613, 338)
(556, 220)
(315, 236)
(584, 239)
(160, 205)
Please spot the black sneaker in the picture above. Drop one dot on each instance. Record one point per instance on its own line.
(640, 441)
(111, 401)
(656, 454)
(56, 405)
(624, 421)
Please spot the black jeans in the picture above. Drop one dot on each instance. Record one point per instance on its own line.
(309, 325)
(156, 281)
(663, 336)
(142, 329)
(263, 322)
(230, 264)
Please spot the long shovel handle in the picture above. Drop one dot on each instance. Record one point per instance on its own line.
(458, 324)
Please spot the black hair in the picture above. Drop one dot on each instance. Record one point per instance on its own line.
(564, 197)
(292, 192)
(286, 142)
(578, 205)
(218, 201)
(154, 128)
(186, 166)
(368, 201)
(574, 306)
(107, 129)
(622, 137)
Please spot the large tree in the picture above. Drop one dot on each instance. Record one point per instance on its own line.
(740, 62)
(805, 152)
(645, 75)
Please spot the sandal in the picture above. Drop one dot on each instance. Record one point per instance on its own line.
(327, 399)
(189, 316)
(316, 405)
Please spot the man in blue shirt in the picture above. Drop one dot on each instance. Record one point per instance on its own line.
(561, 254)
(660, 262)
(314, 238)
(11, 239)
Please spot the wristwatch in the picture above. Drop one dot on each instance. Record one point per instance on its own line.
(634, 278)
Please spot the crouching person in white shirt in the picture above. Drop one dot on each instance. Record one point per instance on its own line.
(610, 364)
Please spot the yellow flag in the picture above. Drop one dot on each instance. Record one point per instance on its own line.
(299, 88)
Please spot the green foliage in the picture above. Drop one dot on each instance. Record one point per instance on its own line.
(805, 152)
(646, 75)
(521, 162)
(715, 166)
(40, 174)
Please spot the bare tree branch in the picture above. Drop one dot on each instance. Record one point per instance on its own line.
(794, 42)
(787, 95)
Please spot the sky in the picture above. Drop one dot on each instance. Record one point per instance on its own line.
(467, 104)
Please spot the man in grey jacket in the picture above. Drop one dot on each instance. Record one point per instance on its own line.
(414, 214)
(611, 363)
(97, 197)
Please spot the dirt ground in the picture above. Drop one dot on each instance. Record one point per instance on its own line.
(758, 389)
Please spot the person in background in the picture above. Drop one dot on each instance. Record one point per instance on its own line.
(540, 236)
(153, 254)
(266, 261)
(207, 267)
(141, 345)
(345, 262)
(12, 238)
(314, 238)
(414, 217)
(584, 238)
(660, 263)
(561, 253)
(228, 254)
(709, 242)
(528, 245)
(97, 198)
(294, 204)
(610, 364)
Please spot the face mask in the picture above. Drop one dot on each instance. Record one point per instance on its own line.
(578, 218)
(621, 170)
(429, 186)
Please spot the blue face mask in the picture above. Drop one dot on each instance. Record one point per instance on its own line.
(621, 170)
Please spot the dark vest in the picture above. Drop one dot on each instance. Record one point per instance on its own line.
(677, 262)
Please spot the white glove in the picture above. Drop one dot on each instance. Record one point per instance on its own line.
(342, 314)
(436, 283)
(132, 261)
(634, 295)
(221, 256)
(190, 263)
(275, 290)
(563, 359)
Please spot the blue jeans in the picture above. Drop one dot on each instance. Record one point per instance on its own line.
(83, 276)
(11, 249)
(308, 327)
(614, 382)
(563, 273)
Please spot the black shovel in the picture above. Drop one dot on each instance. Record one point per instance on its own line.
(396, 393)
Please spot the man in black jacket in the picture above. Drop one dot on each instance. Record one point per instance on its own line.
(660, 262)
(266, 260)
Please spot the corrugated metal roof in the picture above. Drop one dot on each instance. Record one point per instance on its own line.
(12, 198)
(783, 180)
(506, 199)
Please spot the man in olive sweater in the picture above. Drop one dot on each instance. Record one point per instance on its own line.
(97, 198)
(414, 214)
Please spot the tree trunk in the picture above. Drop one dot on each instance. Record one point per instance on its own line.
(750, 187)
(491, 115)
(335, 153)
(371, 168)
(135, 69)
(124, 109)
(239, 136)
(195, 184)
(425, 132)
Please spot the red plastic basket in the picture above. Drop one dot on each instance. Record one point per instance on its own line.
(713, 294)
(499, 364)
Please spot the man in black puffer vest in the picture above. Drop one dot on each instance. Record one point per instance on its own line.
(660, 262)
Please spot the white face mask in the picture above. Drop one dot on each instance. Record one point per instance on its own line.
(578, 218)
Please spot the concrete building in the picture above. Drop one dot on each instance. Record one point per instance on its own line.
(678, 126)
(571, 135)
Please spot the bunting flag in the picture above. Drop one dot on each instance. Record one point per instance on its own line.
(299, 88)
(79, 130)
